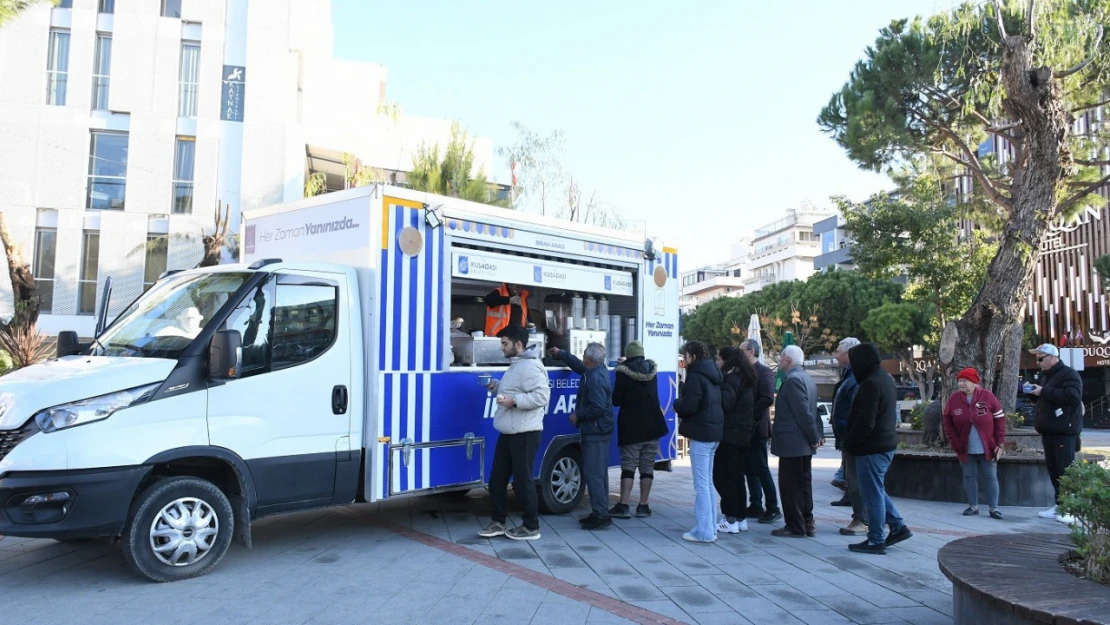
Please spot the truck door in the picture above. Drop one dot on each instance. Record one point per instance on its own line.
(287, 415)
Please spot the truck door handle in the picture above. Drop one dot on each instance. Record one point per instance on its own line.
(339, 400)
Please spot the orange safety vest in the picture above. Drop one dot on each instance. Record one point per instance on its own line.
(497, 317)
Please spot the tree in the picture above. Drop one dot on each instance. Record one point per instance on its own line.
(25, 294)
(544, 185)
(808, 332)
(1010, 74)
(451, 174)
(844, 299)
(11, 8)
(897, 328)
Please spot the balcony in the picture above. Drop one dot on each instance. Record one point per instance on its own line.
(774, 227)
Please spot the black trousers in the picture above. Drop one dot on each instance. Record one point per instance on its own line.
(1059, 453)
(796, 492)
(728, 478)
(515, 455)
(760, 482)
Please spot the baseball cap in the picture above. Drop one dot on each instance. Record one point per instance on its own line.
(1047, 349)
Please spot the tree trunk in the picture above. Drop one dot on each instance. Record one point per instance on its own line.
(25, 294)
(1011, 364)
(1042, 163)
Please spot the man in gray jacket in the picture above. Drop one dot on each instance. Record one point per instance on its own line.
(795, 437)
(522, 396)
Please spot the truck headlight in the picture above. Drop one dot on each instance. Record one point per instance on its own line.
(92, 409)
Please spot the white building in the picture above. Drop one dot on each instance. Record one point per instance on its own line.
(708, 283)
(784, 250)
(124, 123)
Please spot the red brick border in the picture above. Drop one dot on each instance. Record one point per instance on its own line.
(547, 582)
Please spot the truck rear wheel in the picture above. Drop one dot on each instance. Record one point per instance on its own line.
(179, 528)
(560, 483)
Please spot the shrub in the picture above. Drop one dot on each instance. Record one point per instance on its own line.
(24, 345)
(1014, 420)
(1085, 495)
(917, 416)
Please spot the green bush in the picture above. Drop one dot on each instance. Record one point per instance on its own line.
(1014, 420)
(1085, 495)
(917, 416)
(5, 362)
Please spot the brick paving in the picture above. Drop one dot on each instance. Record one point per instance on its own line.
(421, 561)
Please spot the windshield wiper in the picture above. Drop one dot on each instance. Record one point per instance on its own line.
(134, 348)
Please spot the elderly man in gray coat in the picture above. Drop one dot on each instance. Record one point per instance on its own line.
(795, 437)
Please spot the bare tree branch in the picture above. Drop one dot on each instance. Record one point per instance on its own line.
(1088, 107)
(1004, 127)
(972, 163)
(1030, 17)
(1001, 26)
(1078, 196)
(1086, 62)
(998, 130)
(1085, 163)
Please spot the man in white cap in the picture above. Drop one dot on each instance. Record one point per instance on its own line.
(1059, 414)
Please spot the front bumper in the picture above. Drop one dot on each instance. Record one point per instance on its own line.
(96, 502)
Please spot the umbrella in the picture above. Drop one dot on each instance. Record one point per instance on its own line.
(787, 340)
(755, 335)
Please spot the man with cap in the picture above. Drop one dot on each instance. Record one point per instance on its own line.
(1059, 413)
(640, 425)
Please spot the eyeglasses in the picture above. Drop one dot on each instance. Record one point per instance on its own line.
(1041, 358)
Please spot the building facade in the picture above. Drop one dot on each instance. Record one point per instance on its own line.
(785, 249)
(836, 245)
(126, 123)
(708, 283)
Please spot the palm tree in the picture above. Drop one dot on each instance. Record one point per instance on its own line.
(213, 242)
(450, 175)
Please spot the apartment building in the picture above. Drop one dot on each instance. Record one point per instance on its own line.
(126, 122)
(708, 283)
(785, 249)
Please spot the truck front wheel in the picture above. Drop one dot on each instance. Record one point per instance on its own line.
(179, 528)
(560, 483)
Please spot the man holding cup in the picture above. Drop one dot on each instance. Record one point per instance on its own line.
(522, 396)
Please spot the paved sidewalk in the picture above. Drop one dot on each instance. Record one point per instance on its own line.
(420, 561)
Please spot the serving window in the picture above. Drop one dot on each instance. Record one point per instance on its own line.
(562, 303)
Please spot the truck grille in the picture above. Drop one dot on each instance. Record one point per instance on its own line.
(10, 438)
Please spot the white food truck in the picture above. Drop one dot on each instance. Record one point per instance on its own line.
(339, 363)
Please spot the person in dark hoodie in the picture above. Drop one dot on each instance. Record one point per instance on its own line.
(593, 416)
(738, 402)
(872, 438)
(702, 421)
(640, 425)
(761, 484)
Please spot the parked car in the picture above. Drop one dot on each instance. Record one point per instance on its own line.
(824, 410)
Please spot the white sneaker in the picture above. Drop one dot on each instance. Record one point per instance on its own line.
(1066, 519)
(728, 528)
(1048, 514)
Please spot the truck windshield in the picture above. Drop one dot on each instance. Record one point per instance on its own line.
(163, 322)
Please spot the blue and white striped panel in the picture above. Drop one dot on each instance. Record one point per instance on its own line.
(405, 403)
(411, 319)
(669, 261)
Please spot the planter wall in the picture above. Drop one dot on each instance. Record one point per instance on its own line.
(937, 476)
(1023, 438)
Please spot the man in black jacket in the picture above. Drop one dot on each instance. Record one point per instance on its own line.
(1059, 416)
(872, 438)
(640, 425)
(593, 416)
(760, 481)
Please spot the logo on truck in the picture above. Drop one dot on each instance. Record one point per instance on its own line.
(537, 274)
(464, 264)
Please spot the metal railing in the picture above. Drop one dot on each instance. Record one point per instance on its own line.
(1098, 411)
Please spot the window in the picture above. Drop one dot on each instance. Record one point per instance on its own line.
(183, 175)
(100, 72)
(304, 323)
(107, 171)
(65, 4)
(46, 249)
(253, 319)
(90, 262)
(157, 249)
(57, 68)
(171, 8)
(106, 6)
(189, 79)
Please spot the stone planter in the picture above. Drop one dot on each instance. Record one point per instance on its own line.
(938, 476)
(1022, 438)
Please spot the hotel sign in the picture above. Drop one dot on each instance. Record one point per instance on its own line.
(1053, 242)
(234, 88)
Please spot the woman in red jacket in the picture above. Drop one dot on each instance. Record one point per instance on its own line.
(976, 430)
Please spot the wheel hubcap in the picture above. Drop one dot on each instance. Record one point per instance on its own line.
(184, 532)
(566, 479)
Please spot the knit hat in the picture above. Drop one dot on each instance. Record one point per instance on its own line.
(969, 374)
(634, 350)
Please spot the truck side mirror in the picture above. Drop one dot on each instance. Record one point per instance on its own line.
(225, 355)
(67, 344)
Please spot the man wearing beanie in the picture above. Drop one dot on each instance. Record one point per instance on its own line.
(640, 425)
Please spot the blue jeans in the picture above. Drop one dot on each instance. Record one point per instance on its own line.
(840, 473)
(871, 471)
(705, 504)
(989, 471)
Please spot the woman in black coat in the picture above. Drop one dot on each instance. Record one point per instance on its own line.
(738, 403)
(702, 423)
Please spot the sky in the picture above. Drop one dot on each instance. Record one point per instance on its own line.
(698, 118)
